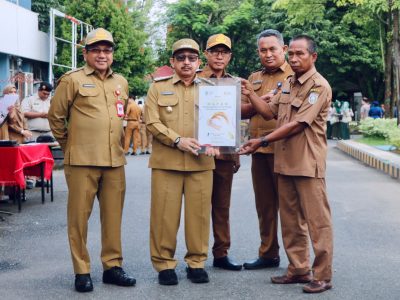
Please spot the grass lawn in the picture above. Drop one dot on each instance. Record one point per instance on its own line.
(372, 141)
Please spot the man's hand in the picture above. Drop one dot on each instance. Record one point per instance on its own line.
(189, 145)
(212, 151)
(249, 147)
(27, 134)
(247, 87)
(44, 115)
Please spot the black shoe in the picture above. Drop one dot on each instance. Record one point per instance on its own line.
(167, 277)
(29, 184)
(197, 275)
(226, 264)
(142, 153)
(133, 153)
(262, 263)
(147, 152)
(83, 283)
(117, 276)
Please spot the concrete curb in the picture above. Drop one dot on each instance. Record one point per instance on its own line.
(384, 161)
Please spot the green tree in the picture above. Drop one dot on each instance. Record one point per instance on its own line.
(42, 7)
(132, 56)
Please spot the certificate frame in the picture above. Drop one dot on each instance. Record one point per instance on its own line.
(217, 113)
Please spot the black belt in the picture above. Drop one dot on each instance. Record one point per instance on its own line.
(41, 131)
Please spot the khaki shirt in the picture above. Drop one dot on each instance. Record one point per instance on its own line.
(263, 83)
(133, 111)
(17, 123)
(35, 104)
(305, 99)
(208, 73)
(169, 114)
(83, 118)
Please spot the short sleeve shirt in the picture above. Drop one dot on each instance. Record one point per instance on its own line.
(305, 99)
(35, 104)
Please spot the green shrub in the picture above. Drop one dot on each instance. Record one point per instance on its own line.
(381, 128)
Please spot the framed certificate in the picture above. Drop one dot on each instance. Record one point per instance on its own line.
(218, 113)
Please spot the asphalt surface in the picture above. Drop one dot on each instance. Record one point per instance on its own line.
(35, 260)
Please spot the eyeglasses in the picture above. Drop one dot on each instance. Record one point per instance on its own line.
(216, 53)
(97, 51)
(182, 57)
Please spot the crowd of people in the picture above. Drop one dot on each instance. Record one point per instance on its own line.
(287, 102)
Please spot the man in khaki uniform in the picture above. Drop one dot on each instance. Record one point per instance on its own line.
(132, 116)
(35, 109)
(91, 100)
(146, 137)
(178, 169)
(300, 161)
(218, 53)
(271, 50)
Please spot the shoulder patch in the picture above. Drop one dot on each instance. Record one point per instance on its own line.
(157, 79)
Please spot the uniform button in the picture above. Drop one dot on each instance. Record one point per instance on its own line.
(186, 113)
(111, 118)
(111, 131)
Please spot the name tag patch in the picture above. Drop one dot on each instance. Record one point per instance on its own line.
(88, 85)
(167, 93)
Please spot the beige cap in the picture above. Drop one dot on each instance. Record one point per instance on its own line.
(99, 35)
(185, 44)
(218, 39)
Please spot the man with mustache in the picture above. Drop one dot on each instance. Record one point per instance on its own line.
(86, 116)
(218, 54)
(271, 51)
(178, 169)
(301, 110)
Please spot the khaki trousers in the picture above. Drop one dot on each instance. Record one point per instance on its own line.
(84, 183)
(305, 212)
(167, 188)
(220, 204)
(132, 128)
(267, 203)
(146, 138)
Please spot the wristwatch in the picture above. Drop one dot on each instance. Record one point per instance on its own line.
(176, 142)
(264, 142)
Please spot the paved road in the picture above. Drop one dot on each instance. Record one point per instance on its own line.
(35, 261)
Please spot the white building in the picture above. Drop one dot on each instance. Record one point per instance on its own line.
(24, 49)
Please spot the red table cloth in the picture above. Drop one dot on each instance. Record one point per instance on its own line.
(18, 162)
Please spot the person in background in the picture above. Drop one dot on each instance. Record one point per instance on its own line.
(17, 125)
(146, 137)
(347, 116)
(364, 110)
(376, 111)
(132, 116)
(35, 109)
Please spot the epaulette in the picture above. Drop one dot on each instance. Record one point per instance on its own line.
(318, 81)
(157, 79)
(199, 70)
(68, 73)
(256, 71)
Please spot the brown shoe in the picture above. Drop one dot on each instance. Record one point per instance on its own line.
(316, 286)
(285, 279)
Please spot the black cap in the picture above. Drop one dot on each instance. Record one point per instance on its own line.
(45, 86)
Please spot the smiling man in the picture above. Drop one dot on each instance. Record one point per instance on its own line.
(178, 169)
(301, 110)
(218, 54)
(86, 116)
(271, 50)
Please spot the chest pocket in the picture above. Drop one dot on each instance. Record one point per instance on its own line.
(167, 107)
(257, 85)
(88, 98)
(284, 106)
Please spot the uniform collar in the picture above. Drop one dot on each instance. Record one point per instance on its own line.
(208, 73)
(176, 78)
(89, 70)
(282, 68)
(303, 78)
